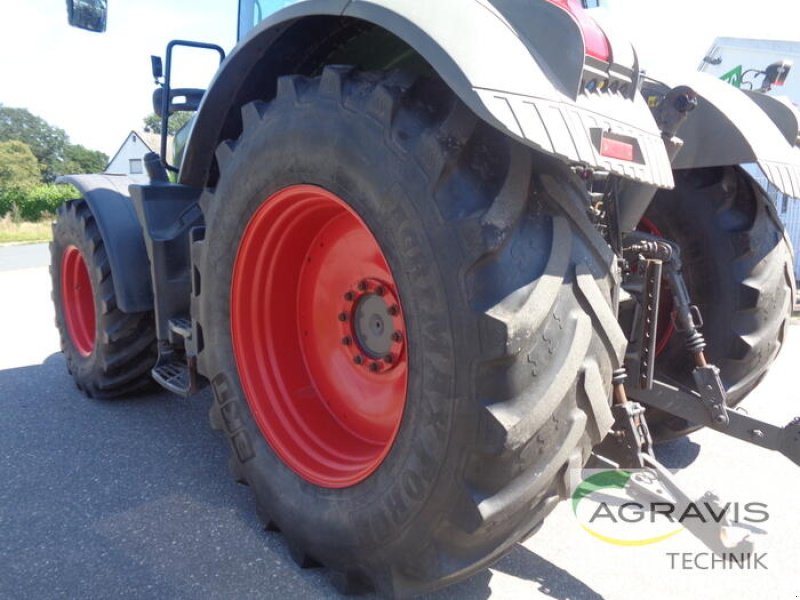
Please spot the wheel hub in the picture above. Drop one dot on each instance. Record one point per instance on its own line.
(372, 326)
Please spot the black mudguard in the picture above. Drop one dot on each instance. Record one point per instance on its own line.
(110, 202)
(728, 128)
(783, 113)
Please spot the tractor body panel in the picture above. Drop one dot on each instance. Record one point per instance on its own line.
(167, 214)
(519, 66)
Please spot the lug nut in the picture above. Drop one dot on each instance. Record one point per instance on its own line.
(388, 359)
(349, 296)
(397, 336)
(393, 310)
(374, 367)
(362, 285)
(347, 340)
(380, 290)
(358, 360)
(343, 317)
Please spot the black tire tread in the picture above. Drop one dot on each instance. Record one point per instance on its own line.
(533, 336)
(125, 345)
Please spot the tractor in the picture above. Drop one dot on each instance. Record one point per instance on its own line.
(432, 257)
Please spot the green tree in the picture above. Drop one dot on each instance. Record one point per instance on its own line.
(18, 165)
(47, 143)
(152, 122)
(78, 159)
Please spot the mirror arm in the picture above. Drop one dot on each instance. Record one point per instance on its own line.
(167, 86)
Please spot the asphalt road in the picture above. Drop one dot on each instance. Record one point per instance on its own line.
(131, 498)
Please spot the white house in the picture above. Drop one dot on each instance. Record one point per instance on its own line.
(129, 159)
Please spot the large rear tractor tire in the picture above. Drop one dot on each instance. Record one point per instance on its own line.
(738, 267)
(109, 353)
(408, 328)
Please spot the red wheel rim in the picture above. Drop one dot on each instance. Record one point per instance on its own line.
(666, 326)
(77, 300)
(319, 336)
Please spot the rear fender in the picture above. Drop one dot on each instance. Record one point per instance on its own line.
(782, 112)
(518, 65)
(728, 128)
(110, 202)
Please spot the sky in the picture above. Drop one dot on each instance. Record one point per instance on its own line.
(98, 86)
(676, 34)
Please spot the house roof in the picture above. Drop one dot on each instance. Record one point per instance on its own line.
(151, 141)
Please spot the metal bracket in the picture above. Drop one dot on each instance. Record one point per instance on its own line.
(629, 443)
(657, 484)
(686, 316)
(628, 446)
(712, 393)
(629, 437)
(693, 408)
(651, 299)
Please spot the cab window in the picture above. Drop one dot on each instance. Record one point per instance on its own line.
(252, 12)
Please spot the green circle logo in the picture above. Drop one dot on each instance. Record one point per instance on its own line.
(606, 508)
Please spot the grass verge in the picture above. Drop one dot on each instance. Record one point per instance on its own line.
(12, 231)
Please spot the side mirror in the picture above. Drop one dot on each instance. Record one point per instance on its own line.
(87, 14)
(157, 67)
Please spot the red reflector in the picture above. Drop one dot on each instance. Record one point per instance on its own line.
(616, 149)
(593, 37)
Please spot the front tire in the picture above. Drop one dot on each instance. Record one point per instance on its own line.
(109, 353)
(504, 293)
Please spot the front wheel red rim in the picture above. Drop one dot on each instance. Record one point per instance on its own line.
(319, 336)
(77, 300)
